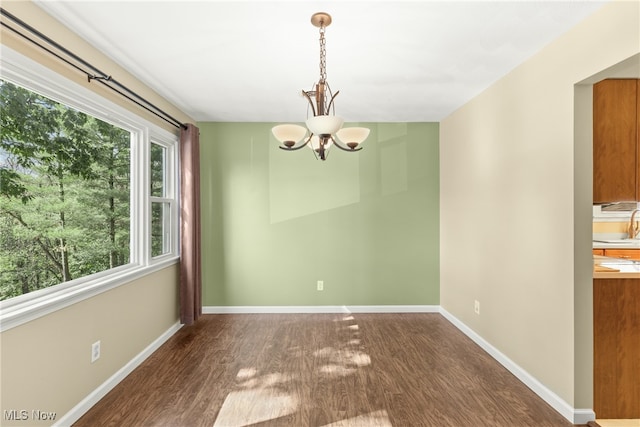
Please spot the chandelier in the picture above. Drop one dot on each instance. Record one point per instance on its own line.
(324, 129)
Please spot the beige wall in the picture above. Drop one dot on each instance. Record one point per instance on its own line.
(610, 227)
(515, 205)
(45, 363)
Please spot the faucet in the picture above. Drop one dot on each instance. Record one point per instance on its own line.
(633, 225)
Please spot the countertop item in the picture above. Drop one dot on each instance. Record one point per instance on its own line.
(615, 268)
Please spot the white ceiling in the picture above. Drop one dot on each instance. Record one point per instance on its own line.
(392, 61)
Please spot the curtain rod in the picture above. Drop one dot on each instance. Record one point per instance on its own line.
(96, 74)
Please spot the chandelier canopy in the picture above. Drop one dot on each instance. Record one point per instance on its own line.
(324, 128)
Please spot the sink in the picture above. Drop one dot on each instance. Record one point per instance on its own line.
(619, 241)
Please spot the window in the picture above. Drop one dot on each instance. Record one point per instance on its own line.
(64, 198)
(163, 206)
(88, 192)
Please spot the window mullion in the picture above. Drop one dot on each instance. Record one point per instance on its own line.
(140, 203)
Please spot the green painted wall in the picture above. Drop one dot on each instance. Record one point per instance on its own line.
(276, 222)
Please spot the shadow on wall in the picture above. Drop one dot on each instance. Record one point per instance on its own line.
(300, 185)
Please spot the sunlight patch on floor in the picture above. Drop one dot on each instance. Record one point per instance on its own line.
(261, 396)
(619, 423)
(337, 370)
(373, 419)
(346, 357)
(245, 373)
(341, 362)
(261, 400)
(248, 407)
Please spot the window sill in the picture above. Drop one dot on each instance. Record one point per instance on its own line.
(19, 310)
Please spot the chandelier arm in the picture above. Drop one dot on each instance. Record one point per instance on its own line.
(315, 154)
(306, 95)
(344, 148)
(299, 146)
(331, 103)
(292, 148)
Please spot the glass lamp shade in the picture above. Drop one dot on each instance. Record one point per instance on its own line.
(314, 144)
(324, 125)
(289, 135)
(353, 136)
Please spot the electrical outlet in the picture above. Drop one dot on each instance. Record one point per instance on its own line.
(476, 307)
(95, 351)
(321, 285)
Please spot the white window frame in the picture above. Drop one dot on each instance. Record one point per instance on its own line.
(170, 195)
(20, 70)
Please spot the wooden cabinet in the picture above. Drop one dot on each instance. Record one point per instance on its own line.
(619, 253)
(623, 253)
(616, 344)
(616, 151)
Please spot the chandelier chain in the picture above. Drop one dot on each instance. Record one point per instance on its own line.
(323, 56)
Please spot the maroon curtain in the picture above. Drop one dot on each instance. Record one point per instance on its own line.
(190, 258)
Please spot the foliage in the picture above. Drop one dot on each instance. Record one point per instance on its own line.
(158, 208)
(64, 193)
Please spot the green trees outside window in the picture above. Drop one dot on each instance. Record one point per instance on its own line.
(160, 206)
(64, 193)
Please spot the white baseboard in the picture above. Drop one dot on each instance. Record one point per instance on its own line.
(85, 404)
(286, 309)
(575, 416)
(583, 416)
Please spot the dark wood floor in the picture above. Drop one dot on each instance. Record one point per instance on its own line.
(321, 370)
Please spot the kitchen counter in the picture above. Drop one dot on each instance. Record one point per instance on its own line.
(615, 268)
(617, 244)
(614, 241)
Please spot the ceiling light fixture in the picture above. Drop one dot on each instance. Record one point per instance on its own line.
(324, 129)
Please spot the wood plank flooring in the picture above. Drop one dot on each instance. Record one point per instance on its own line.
(333, 370)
